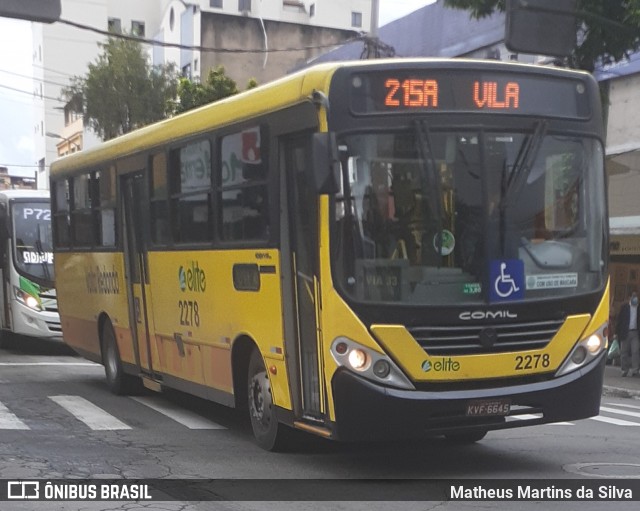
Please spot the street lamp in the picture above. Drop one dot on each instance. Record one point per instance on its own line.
(67, 140)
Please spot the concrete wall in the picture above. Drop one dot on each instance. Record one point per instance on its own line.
(623, 146)
(242, 33)
(623, 129)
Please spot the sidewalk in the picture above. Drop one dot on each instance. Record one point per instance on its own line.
(616, 385)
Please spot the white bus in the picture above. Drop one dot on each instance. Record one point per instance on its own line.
(28, 304)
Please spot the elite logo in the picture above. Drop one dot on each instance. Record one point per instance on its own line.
(192, 278)
(441, 365)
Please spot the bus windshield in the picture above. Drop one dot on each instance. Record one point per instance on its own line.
(33, 253)
(429, 216)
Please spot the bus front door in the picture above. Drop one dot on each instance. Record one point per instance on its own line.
(301, 223)
(134, 196)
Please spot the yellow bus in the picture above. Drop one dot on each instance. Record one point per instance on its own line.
(361, 250)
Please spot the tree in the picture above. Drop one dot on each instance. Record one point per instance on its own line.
(122, 91)
(217, 86)
(607, 30)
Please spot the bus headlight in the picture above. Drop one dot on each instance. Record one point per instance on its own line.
(358, 360)
(368, 363)
(585, 351)
(29, 300)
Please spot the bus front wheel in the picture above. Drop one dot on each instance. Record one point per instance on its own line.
(269, 434)
(117, 380)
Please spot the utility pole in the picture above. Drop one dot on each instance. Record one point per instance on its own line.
(373, 47)
(375, 15)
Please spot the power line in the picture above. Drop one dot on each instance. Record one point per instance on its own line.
(48, 69)
(20, 165)
(30, 93)
(34, 78)
(165, 44)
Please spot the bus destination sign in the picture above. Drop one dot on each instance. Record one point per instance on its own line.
(454, 90)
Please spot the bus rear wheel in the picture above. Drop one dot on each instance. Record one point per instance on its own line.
(117, 380)
(268, 432)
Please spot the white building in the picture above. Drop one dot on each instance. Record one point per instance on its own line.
(62, 51)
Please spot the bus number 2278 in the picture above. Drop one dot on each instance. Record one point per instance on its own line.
(189, 313)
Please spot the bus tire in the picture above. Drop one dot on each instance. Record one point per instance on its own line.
(268, 432)
(118, 381)
(466, 437)
(6, 340)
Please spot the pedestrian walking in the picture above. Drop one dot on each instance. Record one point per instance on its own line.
(627, 330)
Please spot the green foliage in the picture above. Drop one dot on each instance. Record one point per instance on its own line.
(121, 91)
(217, 86)
(607, 30)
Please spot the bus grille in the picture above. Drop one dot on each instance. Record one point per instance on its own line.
(471, 340)
(49, 301)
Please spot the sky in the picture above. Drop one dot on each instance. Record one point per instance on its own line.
(16, 114)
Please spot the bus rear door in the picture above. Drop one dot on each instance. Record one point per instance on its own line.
(134, 192)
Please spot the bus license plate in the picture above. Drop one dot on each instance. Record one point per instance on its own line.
(489, 407)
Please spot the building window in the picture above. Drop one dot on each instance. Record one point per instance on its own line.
(312, 10)
(293, 6)
(186, 71)
(115, 25)
(215, 3)
(356, 19)
(244, 5)
(137, 28)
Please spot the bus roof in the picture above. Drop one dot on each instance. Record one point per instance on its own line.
(10, 194)
(269, 97)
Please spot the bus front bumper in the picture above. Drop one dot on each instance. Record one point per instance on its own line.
(367, 411)
(41, 324)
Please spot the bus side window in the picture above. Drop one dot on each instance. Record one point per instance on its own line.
(61, 217)
(160, 233)
(84, 232)
(244, 199)
(190, 174)
(107, 203)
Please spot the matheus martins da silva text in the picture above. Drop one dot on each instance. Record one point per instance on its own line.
(526, 492)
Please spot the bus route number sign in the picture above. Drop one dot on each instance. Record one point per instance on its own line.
(488, 407)
(464, 90)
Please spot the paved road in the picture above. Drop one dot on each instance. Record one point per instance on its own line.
(58, 420)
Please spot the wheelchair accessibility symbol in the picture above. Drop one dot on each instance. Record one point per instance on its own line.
(507, 280)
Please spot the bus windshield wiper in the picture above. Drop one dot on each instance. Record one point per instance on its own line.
(521, 169)
(431, 185)
(514, 181)
(42, 255)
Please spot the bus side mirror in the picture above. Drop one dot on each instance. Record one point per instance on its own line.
(325, 165)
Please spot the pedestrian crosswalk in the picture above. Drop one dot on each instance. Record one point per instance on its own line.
(96, 418)
(610, 416)
(91, 415)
